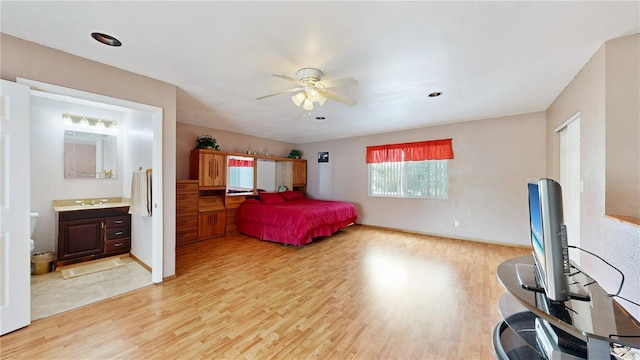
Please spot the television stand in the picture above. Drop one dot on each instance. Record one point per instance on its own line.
(596, 323)
(527, 279)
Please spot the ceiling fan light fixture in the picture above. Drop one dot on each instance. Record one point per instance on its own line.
(298, 98)
(312, 94)
(321, 100)
(307, 105)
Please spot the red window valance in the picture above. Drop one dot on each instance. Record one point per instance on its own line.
(413, 151)
(240, 163)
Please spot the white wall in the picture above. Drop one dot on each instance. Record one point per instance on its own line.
(616, 242)
(47, 165)
(487, 179)
(623, 127)
(138, 153)
(57, 67)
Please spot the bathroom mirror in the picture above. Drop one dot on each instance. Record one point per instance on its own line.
(89, 155)
(240, 175)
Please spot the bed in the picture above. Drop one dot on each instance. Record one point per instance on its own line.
(292, 219)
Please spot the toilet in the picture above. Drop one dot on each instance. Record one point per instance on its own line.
(33, 219)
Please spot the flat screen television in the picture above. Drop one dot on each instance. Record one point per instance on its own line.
(549, 238)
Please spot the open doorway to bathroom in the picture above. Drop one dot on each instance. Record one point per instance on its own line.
(139, 145)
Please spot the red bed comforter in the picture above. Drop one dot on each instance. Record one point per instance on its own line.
(295, 222)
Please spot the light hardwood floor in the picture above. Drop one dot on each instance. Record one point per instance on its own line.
(364, 293)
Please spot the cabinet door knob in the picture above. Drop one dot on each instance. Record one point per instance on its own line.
(118, 244)
(118, 221)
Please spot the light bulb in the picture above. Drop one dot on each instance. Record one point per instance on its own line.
(67, 119)
(100, 124)
(313, 94)
(84, 122)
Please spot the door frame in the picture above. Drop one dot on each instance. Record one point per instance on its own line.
(571, 190)
(157, 234)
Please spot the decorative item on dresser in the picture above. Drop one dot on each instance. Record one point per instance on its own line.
(207, 142)
(295, 154)
(186, 212)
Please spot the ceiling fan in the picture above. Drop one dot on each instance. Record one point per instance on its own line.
(311, 88)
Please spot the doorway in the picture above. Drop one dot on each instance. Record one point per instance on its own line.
(570, 180)
(141, 147)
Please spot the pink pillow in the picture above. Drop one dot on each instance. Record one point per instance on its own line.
(291, 195)
(271, 198)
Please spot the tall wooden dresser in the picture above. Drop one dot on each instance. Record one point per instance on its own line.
(186, 212)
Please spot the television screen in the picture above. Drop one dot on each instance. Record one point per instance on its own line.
(536, 223)
(548, 238)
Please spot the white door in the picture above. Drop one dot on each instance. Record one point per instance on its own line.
(15, 263)
(570, 180)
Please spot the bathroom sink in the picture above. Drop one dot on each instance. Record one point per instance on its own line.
(73, 205)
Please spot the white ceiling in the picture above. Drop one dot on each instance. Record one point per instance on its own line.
(489, 59)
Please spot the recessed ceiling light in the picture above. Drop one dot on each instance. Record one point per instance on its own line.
(435, 94)
(106, 39)
(320, 118)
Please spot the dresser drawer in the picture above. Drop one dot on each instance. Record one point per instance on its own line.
(118, 233)
(117, 245)
(186, 210)
(233, 202)
(118, 221)
(186, 186)
(186, 223)
(186, 237)
(184, 199)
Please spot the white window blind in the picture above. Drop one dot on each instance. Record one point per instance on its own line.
(411, 179)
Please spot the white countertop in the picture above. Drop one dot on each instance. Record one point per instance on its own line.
(89, 207)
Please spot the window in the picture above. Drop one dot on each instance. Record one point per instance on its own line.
(411, 170)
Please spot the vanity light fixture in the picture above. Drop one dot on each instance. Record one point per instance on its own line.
(84, 121)
(67, 119)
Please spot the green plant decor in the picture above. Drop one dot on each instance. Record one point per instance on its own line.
(295, 154)
(207, 142)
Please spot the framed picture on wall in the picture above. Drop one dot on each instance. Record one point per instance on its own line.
(323, 156)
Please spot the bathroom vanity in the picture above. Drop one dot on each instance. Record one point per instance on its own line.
(89, 232)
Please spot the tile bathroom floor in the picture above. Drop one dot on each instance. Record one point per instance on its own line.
(51, 294)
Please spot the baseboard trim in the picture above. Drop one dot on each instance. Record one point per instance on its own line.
(446, 236)
(147, 267)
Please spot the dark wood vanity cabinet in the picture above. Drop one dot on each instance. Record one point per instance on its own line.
(92, 234)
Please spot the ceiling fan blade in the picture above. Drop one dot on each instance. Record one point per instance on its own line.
(281, 92)
(285, 77)
(339, 98)
(348, 81)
